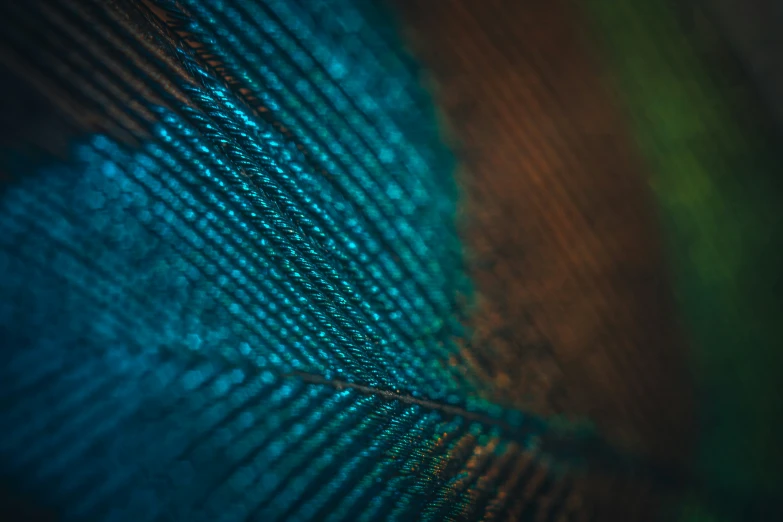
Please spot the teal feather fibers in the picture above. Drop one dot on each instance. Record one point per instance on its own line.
(238, 297)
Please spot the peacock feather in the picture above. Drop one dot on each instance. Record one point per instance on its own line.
(252, 271)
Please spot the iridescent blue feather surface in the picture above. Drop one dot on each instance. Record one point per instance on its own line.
(238, 297)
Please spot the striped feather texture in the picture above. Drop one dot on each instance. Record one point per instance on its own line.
(243, 278)
(237, 297)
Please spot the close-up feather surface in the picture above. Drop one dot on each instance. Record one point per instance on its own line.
(354, 260)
